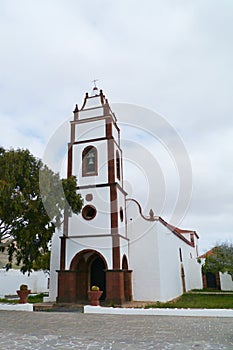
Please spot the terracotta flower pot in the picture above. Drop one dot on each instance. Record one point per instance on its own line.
(94, 296)
(23, 295)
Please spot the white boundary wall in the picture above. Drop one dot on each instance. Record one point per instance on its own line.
(226, 282)
(159, 312)
(11, 280)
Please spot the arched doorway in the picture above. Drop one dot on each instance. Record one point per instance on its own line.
(98, 275)
(89, 267)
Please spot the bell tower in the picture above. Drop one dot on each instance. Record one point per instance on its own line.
(95, 243)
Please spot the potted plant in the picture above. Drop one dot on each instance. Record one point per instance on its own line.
(94, 295)
(23, 293)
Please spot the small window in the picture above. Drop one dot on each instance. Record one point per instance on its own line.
(118, 165)
(121, 214)
(181, 258)
(89, 212)
(89, 161)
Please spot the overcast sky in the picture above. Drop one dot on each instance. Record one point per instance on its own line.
(173, 58)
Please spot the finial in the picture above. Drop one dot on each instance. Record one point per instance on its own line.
(151, 213)
(76, 109)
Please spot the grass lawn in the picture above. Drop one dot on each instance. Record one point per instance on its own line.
(196, 301)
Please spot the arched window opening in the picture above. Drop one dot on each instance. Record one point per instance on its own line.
(89, 161)
(118, 165)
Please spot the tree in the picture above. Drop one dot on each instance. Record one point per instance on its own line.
(33, 200)
(221, 260)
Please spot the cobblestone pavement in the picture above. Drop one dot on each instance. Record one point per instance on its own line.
(44, 330)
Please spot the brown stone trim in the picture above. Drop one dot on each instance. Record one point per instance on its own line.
(111, 163)
(116, 251)
(63, 253)
(72, 132)
(204, 281)
(85, 210)
(218, 283)
(118, 165)
(103, 185)
(70, 160)
(108, 126)
(65, 224)
(89, 197)
(77, 258)
(99, 235)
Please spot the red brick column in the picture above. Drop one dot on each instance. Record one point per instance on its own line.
(115, 286)
(82, 285)
(128, 285)
(67, 288)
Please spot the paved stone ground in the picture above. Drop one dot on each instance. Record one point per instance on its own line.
(60, 331)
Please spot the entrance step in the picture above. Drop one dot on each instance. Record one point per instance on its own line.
(56, 307)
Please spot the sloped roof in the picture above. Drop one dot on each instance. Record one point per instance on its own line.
(177, 231)
(210, 252)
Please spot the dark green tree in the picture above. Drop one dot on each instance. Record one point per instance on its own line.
(221, 259)
(33, 200)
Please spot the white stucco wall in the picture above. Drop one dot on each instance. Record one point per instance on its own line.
(90, 130)
(101, 223)
(169, 246)
(100, 244)
(85, 114)
(226, 282)
(155, 260)
(142, 256)
(11, 280)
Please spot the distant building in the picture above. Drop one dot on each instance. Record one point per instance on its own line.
(111, 244)
(219, 280)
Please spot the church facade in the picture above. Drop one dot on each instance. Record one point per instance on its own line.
(111, 243)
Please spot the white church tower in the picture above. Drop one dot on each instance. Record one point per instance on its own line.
(94, 244)
(144, 258)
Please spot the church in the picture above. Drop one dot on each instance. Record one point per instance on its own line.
(112, 244)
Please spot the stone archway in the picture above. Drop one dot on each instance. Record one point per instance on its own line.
(90, 267)
(127, 279)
